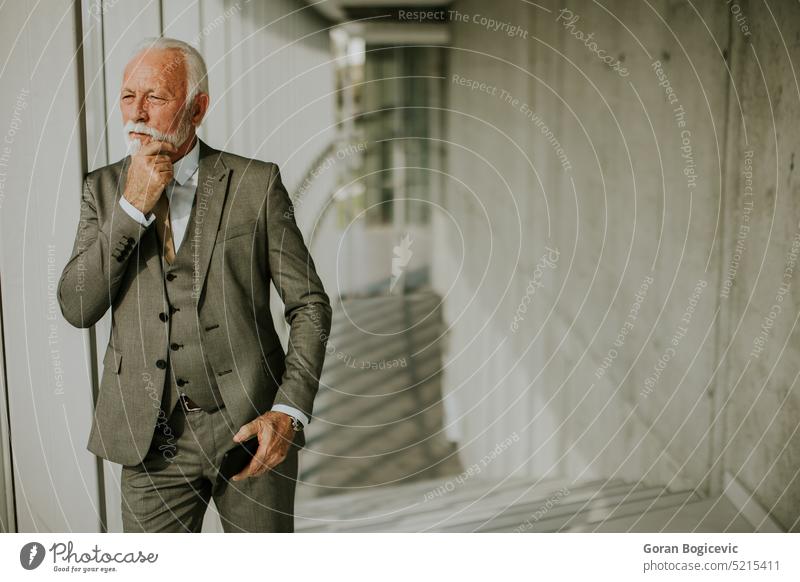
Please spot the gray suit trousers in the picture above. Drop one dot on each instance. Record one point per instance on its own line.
(170, 489)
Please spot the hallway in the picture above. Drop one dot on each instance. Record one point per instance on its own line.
(377, 460)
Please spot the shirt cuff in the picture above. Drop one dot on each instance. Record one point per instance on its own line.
(135, 213)
(291, 411)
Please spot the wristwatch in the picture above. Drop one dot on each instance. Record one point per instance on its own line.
(296, 425)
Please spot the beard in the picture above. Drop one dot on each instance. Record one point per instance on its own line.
(180, 135)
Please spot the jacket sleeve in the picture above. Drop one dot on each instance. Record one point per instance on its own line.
(308, 309)
(91, 277)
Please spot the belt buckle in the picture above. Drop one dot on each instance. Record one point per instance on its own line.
(185, 404)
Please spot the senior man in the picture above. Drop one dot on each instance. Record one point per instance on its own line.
(181, 241)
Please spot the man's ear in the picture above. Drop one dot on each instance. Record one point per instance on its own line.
(199, 108)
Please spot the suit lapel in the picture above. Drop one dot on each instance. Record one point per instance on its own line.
(212, 189)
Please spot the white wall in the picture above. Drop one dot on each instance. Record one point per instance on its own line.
(48, 363)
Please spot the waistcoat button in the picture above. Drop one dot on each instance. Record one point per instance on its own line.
(163, 316)
(161, 364)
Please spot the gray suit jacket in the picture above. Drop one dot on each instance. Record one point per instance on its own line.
(246, 237)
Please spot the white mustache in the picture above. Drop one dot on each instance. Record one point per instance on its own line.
(153, 133)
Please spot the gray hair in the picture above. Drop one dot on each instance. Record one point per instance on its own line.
(196, 73)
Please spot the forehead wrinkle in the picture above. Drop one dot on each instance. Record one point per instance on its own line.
(160, 69)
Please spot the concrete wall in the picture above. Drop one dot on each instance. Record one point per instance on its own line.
(642, 200)
(759, 439)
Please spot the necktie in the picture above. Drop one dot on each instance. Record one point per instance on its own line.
(164, 226)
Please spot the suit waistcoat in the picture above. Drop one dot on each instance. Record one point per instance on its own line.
(188, 369)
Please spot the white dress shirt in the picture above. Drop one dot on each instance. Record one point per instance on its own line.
(181, 192)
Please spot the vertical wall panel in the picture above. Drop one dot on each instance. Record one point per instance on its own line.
(760, 443)
(49, 379)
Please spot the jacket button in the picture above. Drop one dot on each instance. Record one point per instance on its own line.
(174, 347)
(163, 316)
(181, 382)
(161, 364)
(171, 276)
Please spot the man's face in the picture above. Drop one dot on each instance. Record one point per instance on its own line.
(152, 100)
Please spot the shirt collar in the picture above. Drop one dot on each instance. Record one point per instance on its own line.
(187, 165)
